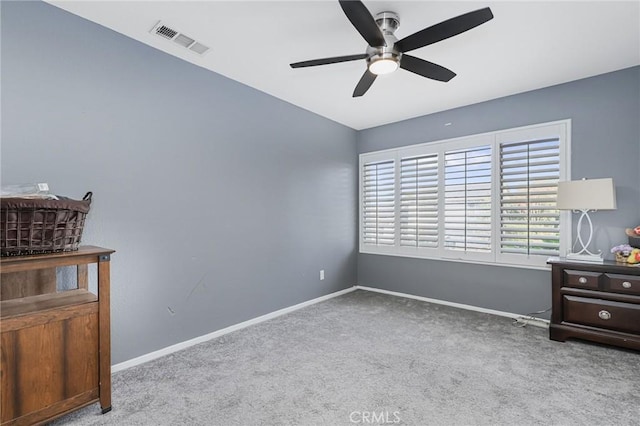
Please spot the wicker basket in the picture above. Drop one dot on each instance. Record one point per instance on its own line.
(34, 226)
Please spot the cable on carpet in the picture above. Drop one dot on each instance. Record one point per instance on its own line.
(522, 321)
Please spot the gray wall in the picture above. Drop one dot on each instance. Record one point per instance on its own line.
(223, 203)
(605, 113)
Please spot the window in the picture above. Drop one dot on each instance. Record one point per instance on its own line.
(419, 201)
(378, 203)
(529, 220)
(485, 198)
(467, 199)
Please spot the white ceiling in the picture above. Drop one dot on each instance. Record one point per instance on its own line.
(528, 45)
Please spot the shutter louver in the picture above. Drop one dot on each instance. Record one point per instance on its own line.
(467, 199)
(529, 219)
(378, 200)
(419, 201)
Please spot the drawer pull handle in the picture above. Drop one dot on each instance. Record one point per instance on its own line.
(626, 284)
(582, 280)
(605, 315)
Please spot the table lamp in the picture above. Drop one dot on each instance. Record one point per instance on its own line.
(583, 196)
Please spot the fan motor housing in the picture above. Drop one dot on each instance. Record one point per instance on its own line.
(388, 23)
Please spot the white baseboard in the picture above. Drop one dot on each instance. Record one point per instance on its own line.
(538, 322)
(183, 345)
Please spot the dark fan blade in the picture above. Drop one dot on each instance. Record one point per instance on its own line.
(365, 82)
(326, 61)
(426, 68)
(362, 20)
(444, 30)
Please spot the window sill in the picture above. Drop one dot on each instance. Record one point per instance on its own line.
(544, 267)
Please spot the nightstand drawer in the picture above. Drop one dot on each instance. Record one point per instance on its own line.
(582, 279)
(628, 284)
(601, 313)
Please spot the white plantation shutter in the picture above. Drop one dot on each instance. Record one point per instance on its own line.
(419, 201)
(488, 198)
(378, 203)
(529, 220)
(467, 199)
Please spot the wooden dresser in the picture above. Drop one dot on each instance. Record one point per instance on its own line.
(596, 302)
(55, 343)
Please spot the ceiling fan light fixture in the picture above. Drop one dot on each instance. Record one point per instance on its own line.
(383, 60)
(385, 53)
(383, 66)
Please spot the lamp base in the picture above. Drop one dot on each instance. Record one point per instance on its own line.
(588, 258)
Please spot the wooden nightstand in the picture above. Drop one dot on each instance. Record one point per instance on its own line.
(596, 302)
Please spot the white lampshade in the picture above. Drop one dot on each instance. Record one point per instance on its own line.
(587, 194)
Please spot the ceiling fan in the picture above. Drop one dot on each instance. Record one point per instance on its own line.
(385, 53)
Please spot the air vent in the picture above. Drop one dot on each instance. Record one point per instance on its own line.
(179, 38)
(166, 32)
(199, 48)
(183, 40)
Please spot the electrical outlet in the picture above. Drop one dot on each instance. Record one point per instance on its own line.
(321, 274)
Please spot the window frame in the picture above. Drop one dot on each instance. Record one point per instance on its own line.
(560, 129)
